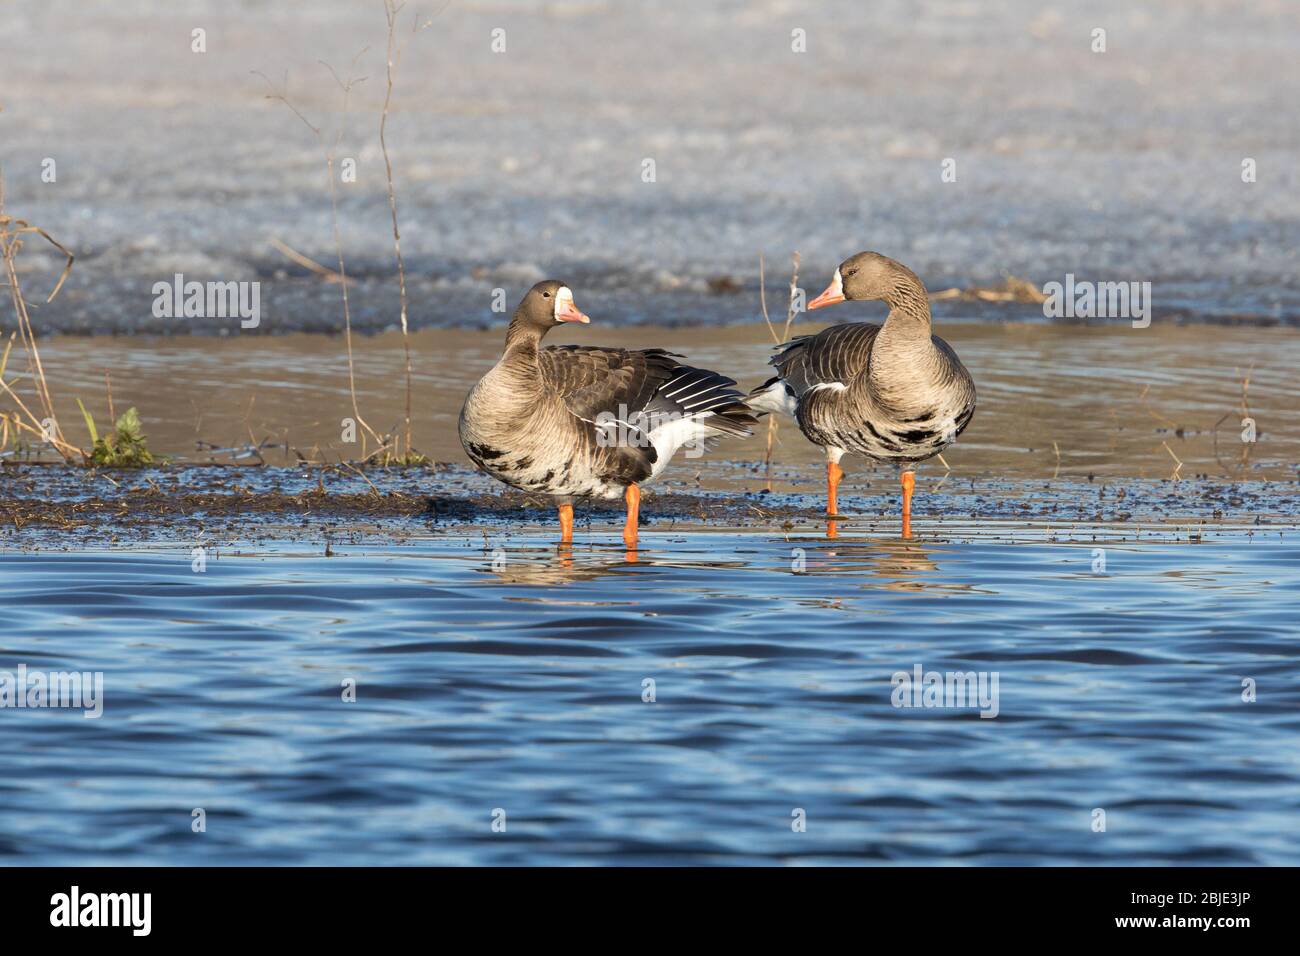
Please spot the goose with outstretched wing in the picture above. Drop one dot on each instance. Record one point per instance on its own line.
(587, 422)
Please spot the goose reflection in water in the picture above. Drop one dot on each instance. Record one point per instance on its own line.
(887, 564)
(892, 564)
(545, 566)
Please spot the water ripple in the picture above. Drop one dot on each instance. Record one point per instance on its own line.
(682, 704)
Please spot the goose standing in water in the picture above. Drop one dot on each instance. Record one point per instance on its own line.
(579, 421)
(890, 392)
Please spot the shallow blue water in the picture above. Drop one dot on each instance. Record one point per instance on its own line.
(519, 688)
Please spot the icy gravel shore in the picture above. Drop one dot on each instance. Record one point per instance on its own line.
(1116, 166)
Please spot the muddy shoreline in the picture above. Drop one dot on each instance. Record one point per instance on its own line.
(53, 505)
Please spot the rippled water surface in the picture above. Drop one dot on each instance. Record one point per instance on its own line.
(507, 676)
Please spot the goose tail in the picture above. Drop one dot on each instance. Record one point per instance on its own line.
(705, 399)
(774, 395)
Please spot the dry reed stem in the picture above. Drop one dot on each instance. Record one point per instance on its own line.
(771, 416)
(778, 340)
(762, 300)
(311, 265)
(1177, 461)
(1142, 400)
(351, 467)
(794, 289)
(947, 471)
(1244, 411)
(65, 449)
(11, 232)
(394, 59)
(330, 152)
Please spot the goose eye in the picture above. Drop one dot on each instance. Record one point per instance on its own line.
(850, 272)
(546, 295)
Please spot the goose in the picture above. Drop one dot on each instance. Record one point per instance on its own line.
(576, 421)
(893, 392)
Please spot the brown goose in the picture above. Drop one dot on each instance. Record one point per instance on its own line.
(891, 392)
(577, 421)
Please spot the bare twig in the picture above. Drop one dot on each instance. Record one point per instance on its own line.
(762, 300)
(794, 289)
(1142, 400)
(947, 471)
(391, 10)
(1244, 411)
(311, 265)
(1177, 461)
(351, 467)
(330, 152)
(784, 337)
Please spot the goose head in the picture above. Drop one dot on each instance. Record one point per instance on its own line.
(868, 275)
(546, 305)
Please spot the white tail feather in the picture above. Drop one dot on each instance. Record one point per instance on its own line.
(774, 398)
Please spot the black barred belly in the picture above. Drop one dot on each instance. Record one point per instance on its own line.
(520, 470)
(903, 441)
(511, 467)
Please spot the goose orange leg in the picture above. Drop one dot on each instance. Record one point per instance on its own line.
(833, 475)
(633, 497)
(909, 482)
(566, 523)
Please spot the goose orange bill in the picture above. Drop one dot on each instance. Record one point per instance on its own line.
(834, 293)
(566, 311)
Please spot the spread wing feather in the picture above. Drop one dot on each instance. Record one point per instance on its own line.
(593, 380)
(631, 391)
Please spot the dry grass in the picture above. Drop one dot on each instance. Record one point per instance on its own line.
(43, 423)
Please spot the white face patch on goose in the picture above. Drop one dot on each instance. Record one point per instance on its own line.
(563, 300)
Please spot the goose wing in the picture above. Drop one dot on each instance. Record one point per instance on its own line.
(622, 396)
(598, 381)
(832, 357)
